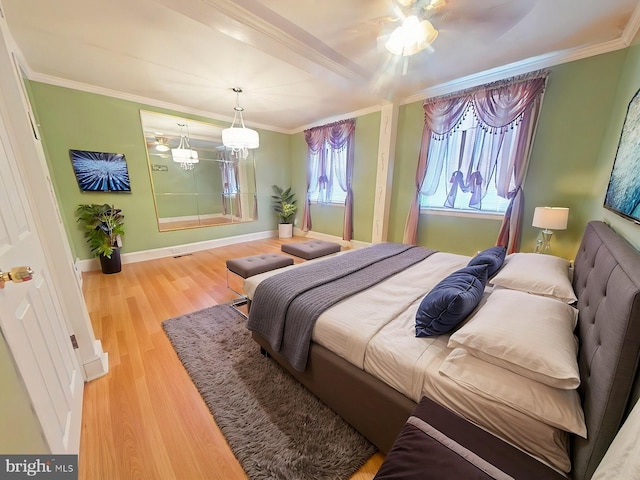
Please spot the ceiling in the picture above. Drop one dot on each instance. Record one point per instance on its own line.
(299, 61)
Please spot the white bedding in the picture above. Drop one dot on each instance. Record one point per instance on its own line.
(372, 328)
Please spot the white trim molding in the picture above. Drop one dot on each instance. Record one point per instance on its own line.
(177, 250)
(330, 238)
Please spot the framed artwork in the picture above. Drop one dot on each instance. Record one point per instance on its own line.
(100, 171)
(623, 192)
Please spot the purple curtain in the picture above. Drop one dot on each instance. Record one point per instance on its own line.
(497, 107)
(315, 138)
(339, 136)
(441, 116)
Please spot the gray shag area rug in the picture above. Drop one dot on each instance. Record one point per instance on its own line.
(276, 428)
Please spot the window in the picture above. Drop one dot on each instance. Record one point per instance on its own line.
(328, 188)
(462, 155)
(478, 140)
(330, 170)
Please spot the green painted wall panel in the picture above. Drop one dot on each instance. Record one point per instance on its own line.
(79, 120)
(365, 170)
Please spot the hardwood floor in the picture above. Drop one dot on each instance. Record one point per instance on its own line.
(145, 419)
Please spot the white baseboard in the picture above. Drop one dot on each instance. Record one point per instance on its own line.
(174, 250)
(359, 244)
(330, 238)
(98, 365)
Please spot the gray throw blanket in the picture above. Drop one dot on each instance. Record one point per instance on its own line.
(286, 306)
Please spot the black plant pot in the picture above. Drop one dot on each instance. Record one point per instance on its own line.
(113, 264)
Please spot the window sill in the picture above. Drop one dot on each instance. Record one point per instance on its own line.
(329, 204)
(447, 212)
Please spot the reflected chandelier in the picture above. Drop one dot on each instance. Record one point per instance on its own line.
(184, 155)
(239, 139)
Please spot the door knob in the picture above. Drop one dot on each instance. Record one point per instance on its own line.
(16, 275)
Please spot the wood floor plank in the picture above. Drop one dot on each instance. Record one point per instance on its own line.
(145, 419)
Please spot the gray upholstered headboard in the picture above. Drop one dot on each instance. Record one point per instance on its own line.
(607, 283)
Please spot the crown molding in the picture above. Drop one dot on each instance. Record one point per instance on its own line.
(633, 25)
(62, 82)
(337, 118)
(516, 68)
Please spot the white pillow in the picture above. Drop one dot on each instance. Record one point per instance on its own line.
(553, 406)
(527, 334)
(538, 274)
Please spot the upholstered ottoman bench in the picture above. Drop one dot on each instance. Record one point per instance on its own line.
(311, 249)
(246, 267)
(249, 266)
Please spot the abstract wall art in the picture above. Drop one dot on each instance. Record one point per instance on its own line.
(623, 192)
(100, 171)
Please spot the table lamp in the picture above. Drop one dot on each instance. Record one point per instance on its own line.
(549, 219)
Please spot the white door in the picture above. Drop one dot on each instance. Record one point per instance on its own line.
(31, 318)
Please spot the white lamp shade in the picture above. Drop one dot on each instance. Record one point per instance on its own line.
(240, 137)
(551, 218)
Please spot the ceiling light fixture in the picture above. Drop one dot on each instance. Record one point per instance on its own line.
(184, 155)
(162, 144)
(413, 36)
(239, 139)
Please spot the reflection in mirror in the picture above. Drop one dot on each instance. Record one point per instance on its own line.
(196, 182)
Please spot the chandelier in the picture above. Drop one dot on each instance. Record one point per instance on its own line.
(184, 155)
(239, 139)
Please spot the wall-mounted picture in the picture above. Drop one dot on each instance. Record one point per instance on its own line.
(623, 193)
(100, 171)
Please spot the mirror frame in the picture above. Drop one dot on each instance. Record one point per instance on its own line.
(238, 194)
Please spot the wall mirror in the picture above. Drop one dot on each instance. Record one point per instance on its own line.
(196, 182)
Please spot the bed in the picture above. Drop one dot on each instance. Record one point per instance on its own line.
(372, 386)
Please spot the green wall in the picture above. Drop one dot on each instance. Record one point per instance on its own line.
(328, 219)
(565, 167)
(86, 121)
(575, 144)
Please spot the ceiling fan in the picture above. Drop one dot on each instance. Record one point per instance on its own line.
(415, 32)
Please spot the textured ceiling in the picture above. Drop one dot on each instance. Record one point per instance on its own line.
(298, 61)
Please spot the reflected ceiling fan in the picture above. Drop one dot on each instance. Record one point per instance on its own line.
(160, 143)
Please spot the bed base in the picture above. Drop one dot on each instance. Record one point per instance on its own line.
(370, 406)
(607, 274)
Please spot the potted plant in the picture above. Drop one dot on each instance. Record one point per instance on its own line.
(284, 204)
(103, 228)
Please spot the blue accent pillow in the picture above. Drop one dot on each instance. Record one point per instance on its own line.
(492, 257)
(451, 301)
